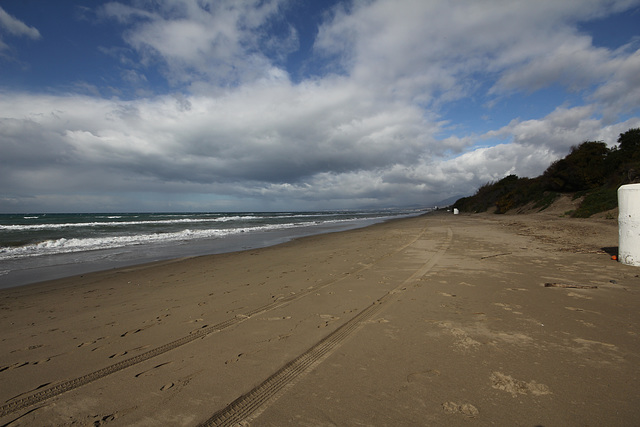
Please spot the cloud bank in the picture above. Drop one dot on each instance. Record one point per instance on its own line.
(372, 123)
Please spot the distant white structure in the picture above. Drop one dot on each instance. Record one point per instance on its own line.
(456, 211)
(629, 224)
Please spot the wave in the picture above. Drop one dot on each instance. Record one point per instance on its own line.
(26, 227)
(218, 219)
(64, 245)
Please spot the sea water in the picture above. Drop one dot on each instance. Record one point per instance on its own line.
(37, 247)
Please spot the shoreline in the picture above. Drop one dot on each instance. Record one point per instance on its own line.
(140, 266)
(435, 319)
(59, 266)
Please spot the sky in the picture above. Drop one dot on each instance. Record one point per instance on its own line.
(281, 105)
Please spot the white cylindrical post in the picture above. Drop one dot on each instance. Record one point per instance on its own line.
(629, 224)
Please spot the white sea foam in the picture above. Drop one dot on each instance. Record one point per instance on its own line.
(26, 227)
(64, 245)
(216, 219)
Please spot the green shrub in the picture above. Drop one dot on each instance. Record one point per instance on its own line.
(600, 200)
(591, 170)
(548, 197)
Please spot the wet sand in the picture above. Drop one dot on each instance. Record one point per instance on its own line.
(434, 320)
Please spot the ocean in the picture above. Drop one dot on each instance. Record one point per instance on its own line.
(37, 247)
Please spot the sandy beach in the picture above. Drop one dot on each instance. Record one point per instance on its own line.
(519, 320)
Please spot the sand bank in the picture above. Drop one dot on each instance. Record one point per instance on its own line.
(433, 320)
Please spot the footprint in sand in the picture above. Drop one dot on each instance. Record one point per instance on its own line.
(506, 307)
(14, 366)
(31, 347)
(234, 360)
(423, 375)
(509, 384)
(104, 419)
(581, 310)
(598, 346)
(328, 318)
(575, 295)
(147, 372)
(118, 354)
(41, 361)
(463, 341)
(133, 331)
(465, 409)
(588, 324)
(91, 342)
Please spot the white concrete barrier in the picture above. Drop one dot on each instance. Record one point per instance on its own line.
(629, 224)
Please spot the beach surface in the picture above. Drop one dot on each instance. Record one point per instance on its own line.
(520, 320)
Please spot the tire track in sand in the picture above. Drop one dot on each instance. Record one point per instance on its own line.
(251, 404)
(33, 397)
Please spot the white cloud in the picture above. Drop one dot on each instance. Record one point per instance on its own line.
(435, 52)
(557, 131)
(370, 128)
(621, 92)
(269, 132)
(569, 60)
(16, 27)
(212, 41)
(562, 129)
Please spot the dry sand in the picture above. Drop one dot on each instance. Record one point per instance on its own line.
(434, 320)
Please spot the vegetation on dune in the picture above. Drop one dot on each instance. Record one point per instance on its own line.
(591, 170)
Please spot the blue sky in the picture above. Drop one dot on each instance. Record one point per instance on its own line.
(201, 105)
